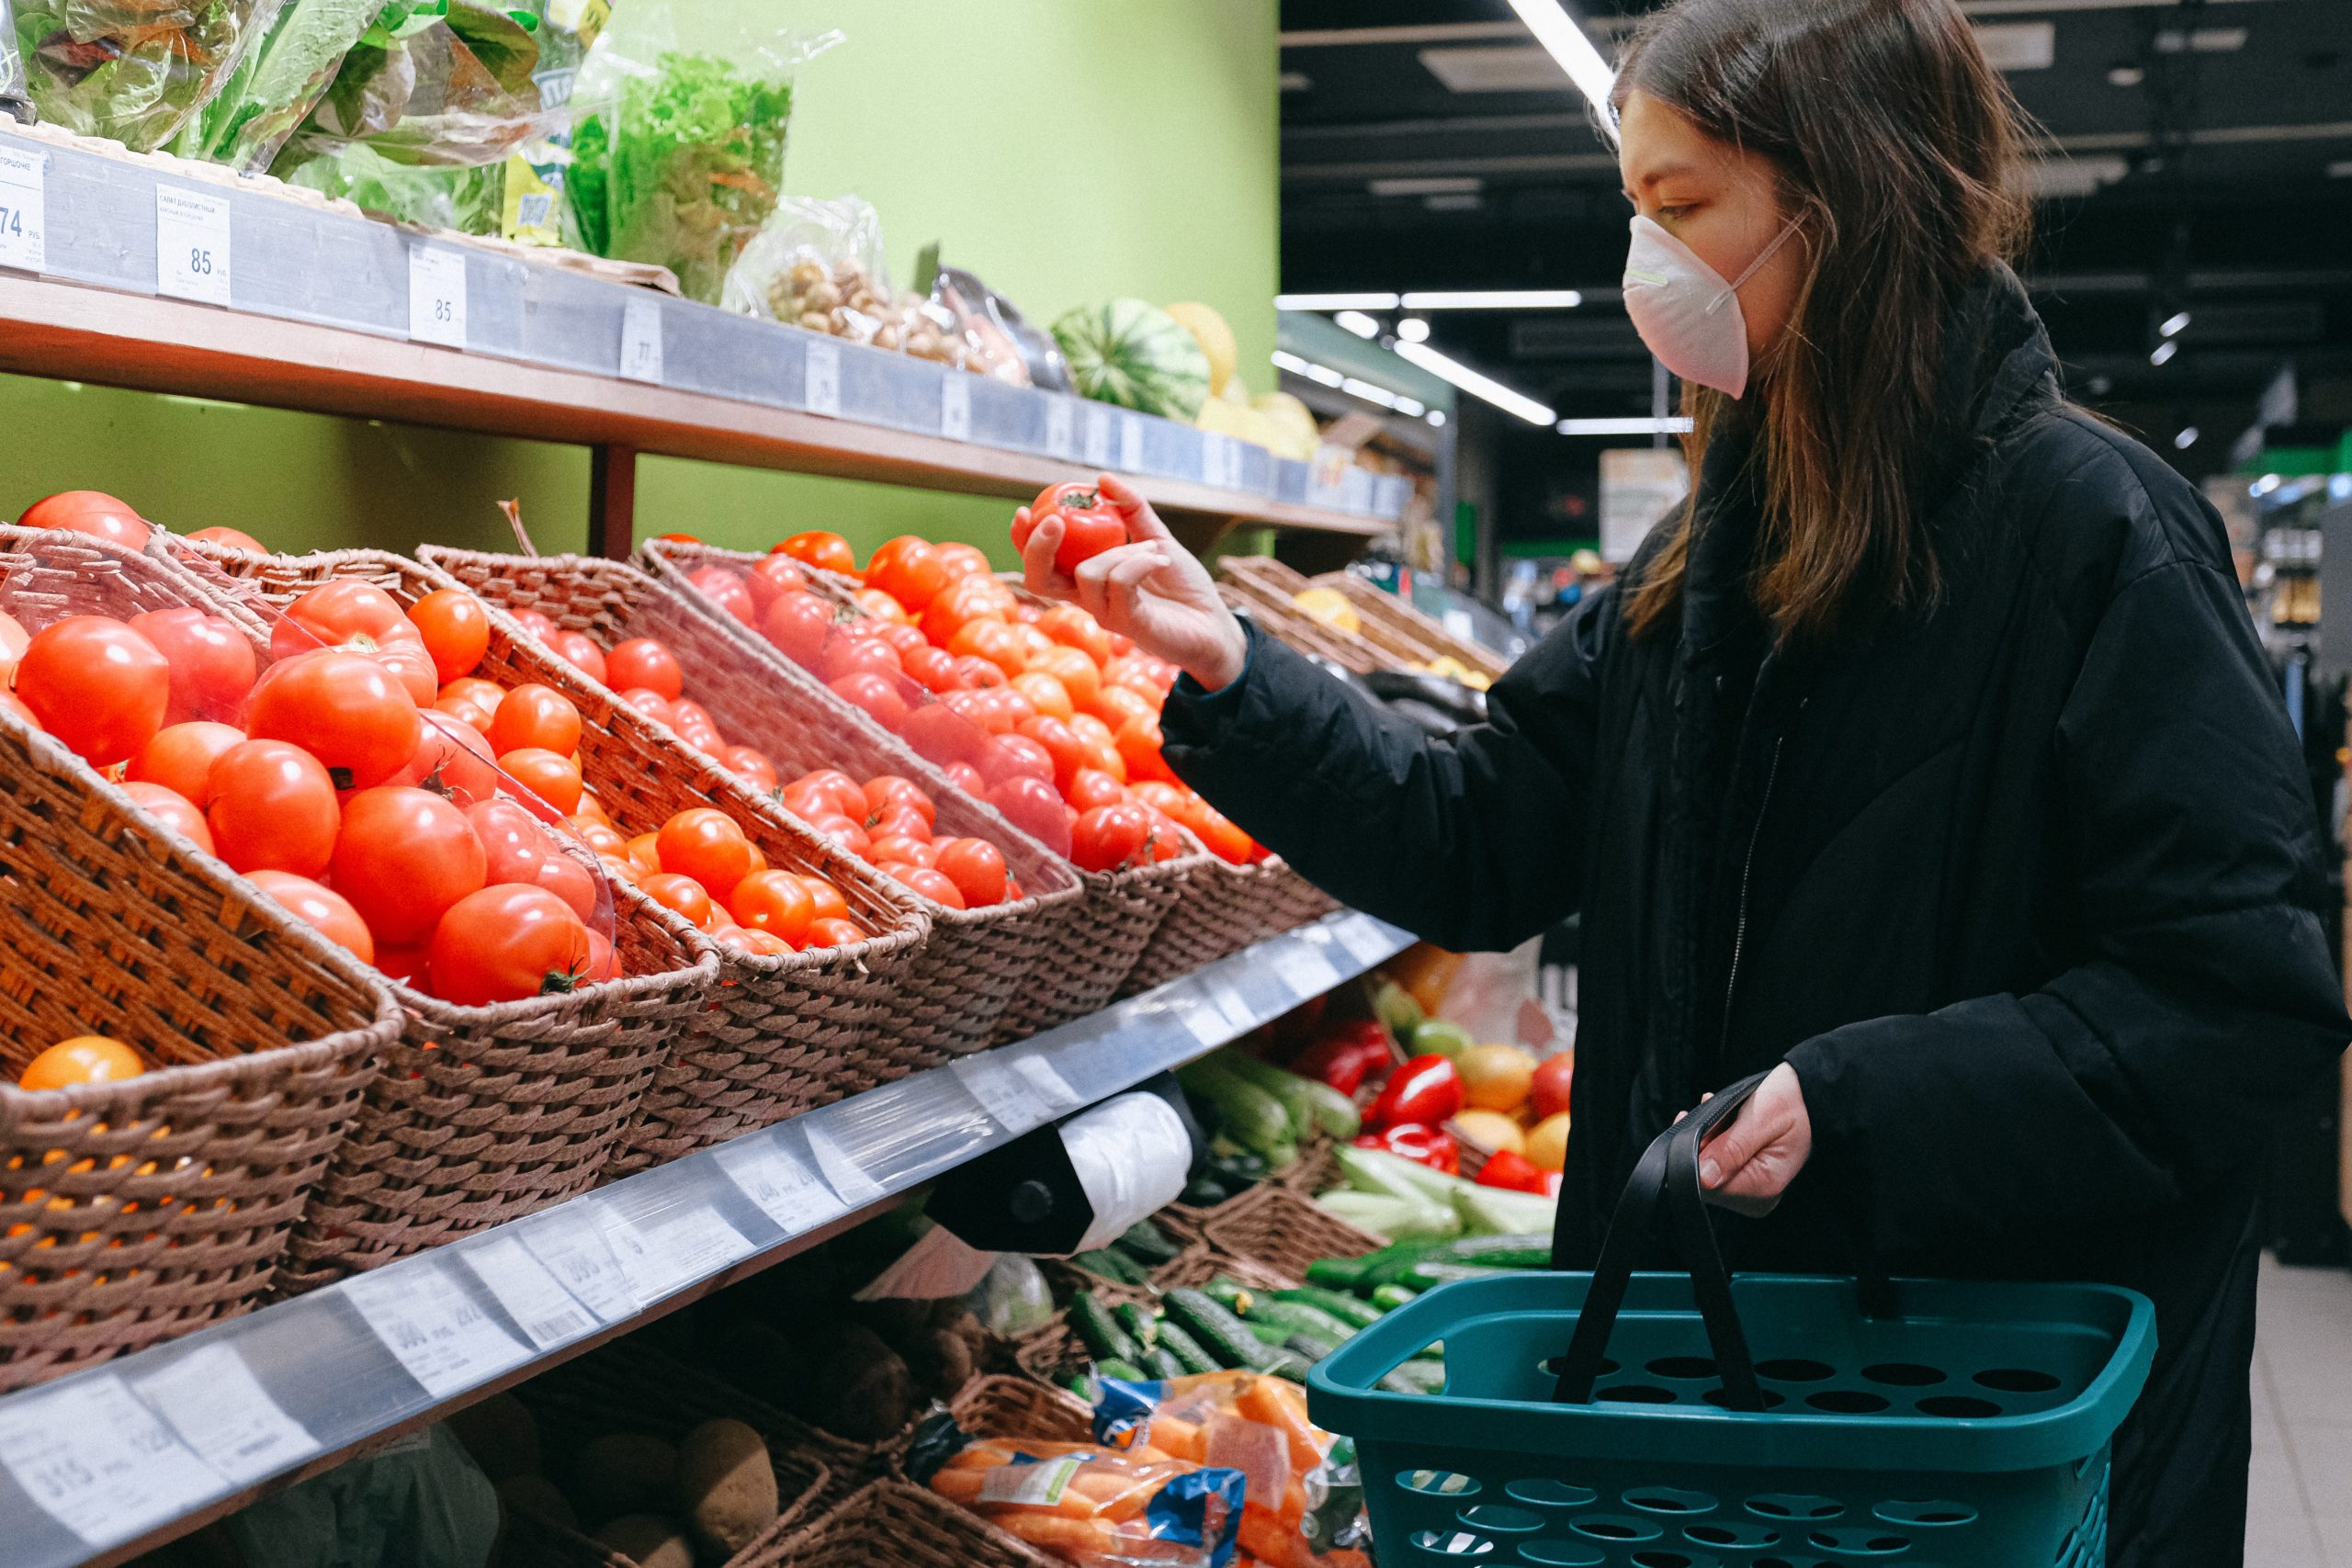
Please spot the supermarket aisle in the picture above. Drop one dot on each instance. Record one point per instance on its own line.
(2298, 1511)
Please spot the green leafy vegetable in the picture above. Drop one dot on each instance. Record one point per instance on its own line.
(131, 70)
(272, 92)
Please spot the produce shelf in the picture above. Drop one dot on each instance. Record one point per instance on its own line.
(328, 312)
(147, 1447)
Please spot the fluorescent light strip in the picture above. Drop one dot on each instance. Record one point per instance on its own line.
(1478, 386)
(2175, 325)
(1494, 300)
(1335, 301)
(1625, 427)
(1356, 321)
(1562, 33)
(1323, 375)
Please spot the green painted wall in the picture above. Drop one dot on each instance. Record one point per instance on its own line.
(1150, 167)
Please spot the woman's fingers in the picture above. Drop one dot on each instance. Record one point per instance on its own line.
(1142, 521)
(1094, 577)
(1123, 585)
(1038, 570)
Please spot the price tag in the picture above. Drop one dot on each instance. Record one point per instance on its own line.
(1098, 437)
(430, 1323)
(784, 1187)
(1237, 464)
(642, 341)
(1047, 1081)
(531, 1295)
(1204, 1020)
(1366, 940)
(100, 1462)
(955, 406)
(1007, 1097)
(192, 254)
(220, 1409)
(822, 390)
(23, 203)
(1130, 445)
(1212, 449)
(576, 1253)
(1239, 1017)
(1328, 471)
(436, 296)
(844, 1174)
(665, 1253)
(1061, 426)
(1304, 967)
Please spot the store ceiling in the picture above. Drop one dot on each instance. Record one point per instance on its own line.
(2197, 156)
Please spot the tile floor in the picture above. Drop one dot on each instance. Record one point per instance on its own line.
(2299, 1504)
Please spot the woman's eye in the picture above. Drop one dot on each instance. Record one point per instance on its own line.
(1678, 210)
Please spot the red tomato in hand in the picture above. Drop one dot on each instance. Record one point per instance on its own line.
(273, 808)
(726, 586)
(535, 717)
(180, 758)
(1110, 837)
(1089, 525)
(826, 552)
(706, 844)
(456, 629)
(345, 613)
(580, 650)
(97, 685)
(503, 945)
(173, 810)
(321, 907)
(212, 662)
(774, 902)
(345, 709)
(403, 857)
(90, 512)
(976, 867)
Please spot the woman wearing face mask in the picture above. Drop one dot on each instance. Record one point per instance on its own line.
(1928, 755)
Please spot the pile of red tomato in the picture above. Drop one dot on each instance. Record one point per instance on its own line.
(1039, 711)
(889, 822)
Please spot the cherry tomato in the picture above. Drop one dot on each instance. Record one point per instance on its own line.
(750, 945)
(706, 844)
(180, 758)
(1089, 525)
(403, 857)
(535, 717)
(230, 539)
(980, 674)
(1078, 674)
(579, 650)
(774, 902)
(880, 608)
(173, 810)
(846, 794)
(890, 848)
(455, 628)
(966, 598)
(959, 560)
(876, 694)
(346, 613)
(682, 895)
(641, 662)
(90, 512)
(1110, 837)
(503, 945)
(908, 570)
(601, 838)
(486, 695)
(899, 821)
(1061, 744)
(1090, 787)
(97, 685)
(645, 852)
(826, 552)
(344, 709)
(797, 626)
(934, 668)
(272, 807)
(836, 932)
(554, 779)
(770, 579)
(725, 587)
(1074, 628)
(976, 867)
(988, 639)
(845, 832)
(329, 912)
(753, 767)
(1031, 805)
(824, 898)
(1119, 707)
(1046, 694)
(694, 726)
(846, 655)
(1030, 643)
(212, 661)
(931, 884)
(652, 705)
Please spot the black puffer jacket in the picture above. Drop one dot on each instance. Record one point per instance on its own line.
(2023, 886)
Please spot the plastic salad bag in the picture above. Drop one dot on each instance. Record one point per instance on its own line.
(273, 90)
(688, 163)
(820, 265)
(12, 102)
(131, 70)
(997, 339)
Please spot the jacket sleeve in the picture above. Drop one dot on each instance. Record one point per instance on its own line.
(1474, 843)
(2204, 999)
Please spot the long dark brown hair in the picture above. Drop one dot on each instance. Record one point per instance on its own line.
(1900, 152)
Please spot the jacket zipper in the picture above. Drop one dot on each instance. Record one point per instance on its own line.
(1739, 931)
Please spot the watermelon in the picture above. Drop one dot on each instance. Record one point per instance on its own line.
(1134, 355)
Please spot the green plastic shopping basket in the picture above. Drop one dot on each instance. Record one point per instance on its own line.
(1921, 1424)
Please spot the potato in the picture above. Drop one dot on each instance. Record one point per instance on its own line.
(623, 1472)
(649, 1541)
(856, 1386)
(725, 1486)
(499, 1435)
(537, 1495)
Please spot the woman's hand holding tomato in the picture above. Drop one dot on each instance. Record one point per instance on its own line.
(1151, 590)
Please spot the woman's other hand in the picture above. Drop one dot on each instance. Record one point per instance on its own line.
(1747, 1166)
(1150, 589)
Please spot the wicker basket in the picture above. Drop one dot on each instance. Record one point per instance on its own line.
(1201, 1264)
(900, 1524)
(1285, 1232)
(628, 1388)
(1225, 908)
(1090, 952)
(948, 999)
(184, 1183)
(1016, 1407)
(1391, 624)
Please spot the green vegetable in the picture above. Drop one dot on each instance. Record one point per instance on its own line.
(1416, 1377)
(1125, 1371)
(131, 73)
(1116, 1267)
(1339, 1273)
(1347, 1309)
(1082, 1384)
(1388, 1298)
(1220, 1333)
(1243, 1112)
(1136, 356)
(1288, 1364)
(1307, 1346)
(1147, 1243)
(1528, 1249)
(1165, 1363)
(1141, 1327)
(1396, 1008)
(1399, 1219)
(1312, 1107)
(1229, 1294)
(1437, 1037)
(1177, 1342)
(1428, 1275)
(1099, 1332)
(1266, 1331)
(275, 86)
(1392, 1176)
(1300, 1319)
(1206, 1192)
(1497, 1211)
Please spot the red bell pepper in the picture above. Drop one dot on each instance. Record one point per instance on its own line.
(1423, 1144)
(1517, 1173)
(1425, 1089)
(1347, 1057)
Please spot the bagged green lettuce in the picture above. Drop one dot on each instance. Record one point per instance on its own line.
(12, 102)
(272, 91)
(131, 70)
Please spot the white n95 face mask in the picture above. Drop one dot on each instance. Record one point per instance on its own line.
(1686, 315)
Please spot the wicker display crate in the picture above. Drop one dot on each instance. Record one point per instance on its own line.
(135, 1211)
(629, 1388)
(1225, 908)
(1016, 1407)
(1395, 626)
(950, 998)
(1201, 1264)
(1280, 1230)
(901, 1524)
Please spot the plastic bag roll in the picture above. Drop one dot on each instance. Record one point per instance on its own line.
(1132, 1155)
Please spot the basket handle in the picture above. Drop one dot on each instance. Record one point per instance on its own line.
(1667, 1174)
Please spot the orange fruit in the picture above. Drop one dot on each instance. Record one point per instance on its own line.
(85, 1058)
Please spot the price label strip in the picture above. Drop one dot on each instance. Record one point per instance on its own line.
(24, 207)
(220, 1411)
(955, 406)
(1007, 1097)
(844, 1174)
(1098, 437)
(1130, 445)
(532, 1296)
(1205, 1021)
(436, 296)
(193, 258)
(642, 341)
(1061, 426)
(1045, 1081)
(784, 1187)
(100, 1462)
(575, 1251)
(430, 1324)
(823, 382)
(662, 1254)
(1213, 459)
(1305, 966)
(1366, 940)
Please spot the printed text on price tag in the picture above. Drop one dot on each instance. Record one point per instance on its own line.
(192, 245)
(1007, 1097)
(955, 406)
(436, 296)
(531, 1295)
(573, 1247)
(641, 345)
(785, 1187)
(220, 1409)
(821, 388)
(24, 207)
(665, 1253)
(431, 1323)
(98, 1461)
(1061, 425)
(844, 1174)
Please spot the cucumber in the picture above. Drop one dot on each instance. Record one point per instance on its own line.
(1230, 1293)
(1299, 1318)
(1312, 1107)
(1392, 1263)
(1242, 1111)
(1186, 1348)
(1148, 1244)
(1164, 1364)
(1220, 1333)
(1125, 1371)
(1526, 1249)
(1267, 1331)
(1102, 1336)
(1307, 1345)
(1429, 1276)
(1338, 1273)
(1347, 1309)
(1206, 1192)
(1416, 1377)
(1289, 1365)
(1141, 1327)
(1082, 1384)
(1388, 1298)
(1116, 1267)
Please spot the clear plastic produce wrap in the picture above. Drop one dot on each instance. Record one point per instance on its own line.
(12, 102)
(996, 339)
(817, 265)
(273, 88)
(688, 163)
(132, 70)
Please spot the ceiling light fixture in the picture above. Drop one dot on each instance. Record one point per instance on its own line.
(2187, 438)
(2175, 326)
(2165, 350)
(1356, 321)
(1369, 392)
(2263, 486)
(1478, 386)
(1412, 406)
(2126, 77)
(1492, 300)
(1335, 301)
(1324, 375)
(1437, 417)
(1412, 329)
(1669, 426)
(1321, 374)
(1562, 34)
